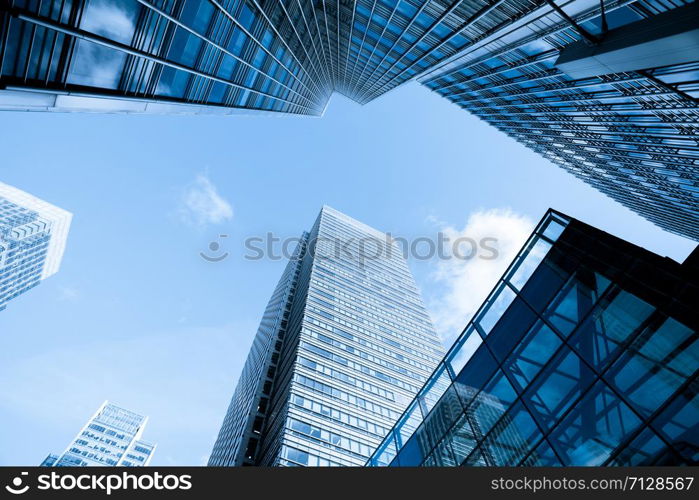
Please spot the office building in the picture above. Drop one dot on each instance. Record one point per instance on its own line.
(607, 90)
(111, 437)
(200, 56)
(586, 353)
(33, 236)
(609, 95)
(342, 348)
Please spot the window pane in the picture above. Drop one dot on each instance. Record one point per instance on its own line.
(561, 383)
(460, 356)
(594, 428)
(610, 325)
(531, 354)
(646, 449)
(500, 302)
(679, 423)
(512, 439)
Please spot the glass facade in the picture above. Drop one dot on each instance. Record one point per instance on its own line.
(586, 353)
(204, 56)
(33, 236)
(630, 134)
(342, 348)
(112, 437)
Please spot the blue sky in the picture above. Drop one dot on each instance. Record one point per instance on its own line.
(137, 317)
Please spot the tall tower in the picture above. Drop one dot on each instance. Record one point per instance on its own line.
(112, 437)
(606, 90)
(343, 346)
(33, 236)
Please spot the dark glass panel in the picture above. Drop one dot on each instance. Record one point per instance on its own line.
(594, 428)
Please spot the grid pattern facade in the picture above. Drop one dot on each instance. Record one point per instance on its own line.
(112, 437)
(205, 56)
(357, 346)
(631, 135)
(585, 354)
(32, 240)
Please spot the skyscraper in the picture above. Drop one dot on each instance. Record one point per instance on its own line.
(609, 95)
(112, 437)
(586, 353)
(33, 236)
(201, 56)
(607, 90)
(343, 346)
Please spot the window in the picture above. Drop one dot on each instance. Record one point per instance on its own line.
(594, 428)
(557, 387)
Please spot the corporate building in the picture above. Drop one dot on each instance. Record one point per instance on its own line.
(608, 90)
(605, 89)
(201, 56)
(33, 236)
(343, 346)
(111, 437)
(586, 353)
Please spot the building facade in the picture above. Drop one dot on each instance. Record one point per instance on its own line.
(343, 346)
(202, 56)
(33, 236)
(610, 95)
(607, 90)
(586, 353)
(112, 437)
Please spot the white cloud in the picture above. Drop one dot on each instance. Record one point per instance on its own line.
(467, 282)
(202, 205)
(109, 19)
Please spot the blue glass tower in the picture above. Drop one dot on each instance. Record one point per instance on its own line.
(203, 56)
(586, 353)
(342, 348)
(609, 95)
(33, 237)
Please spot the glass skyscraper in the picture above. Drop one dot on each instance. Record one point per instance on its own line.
(607, 90)
(33, 236)
(586, 353)
(204, 56)
(112, 437)
(613, 98)
(342, 348)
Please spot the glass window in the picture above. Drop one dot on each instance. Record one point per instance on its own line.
(408, 423)
(557, 387)
(386, 452)
(498, 303)
(460, 355)
(474, 375)
(531, 354)
(679, 423)
(529, 263)
(543, 456)
(646, 449)
(654, 366)
(510, 329)
(573, 302)
(594, 428)
(603, 334)
(462, 439)
(440, 419)
(439, 382)
(512, 438)
(549, 277)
